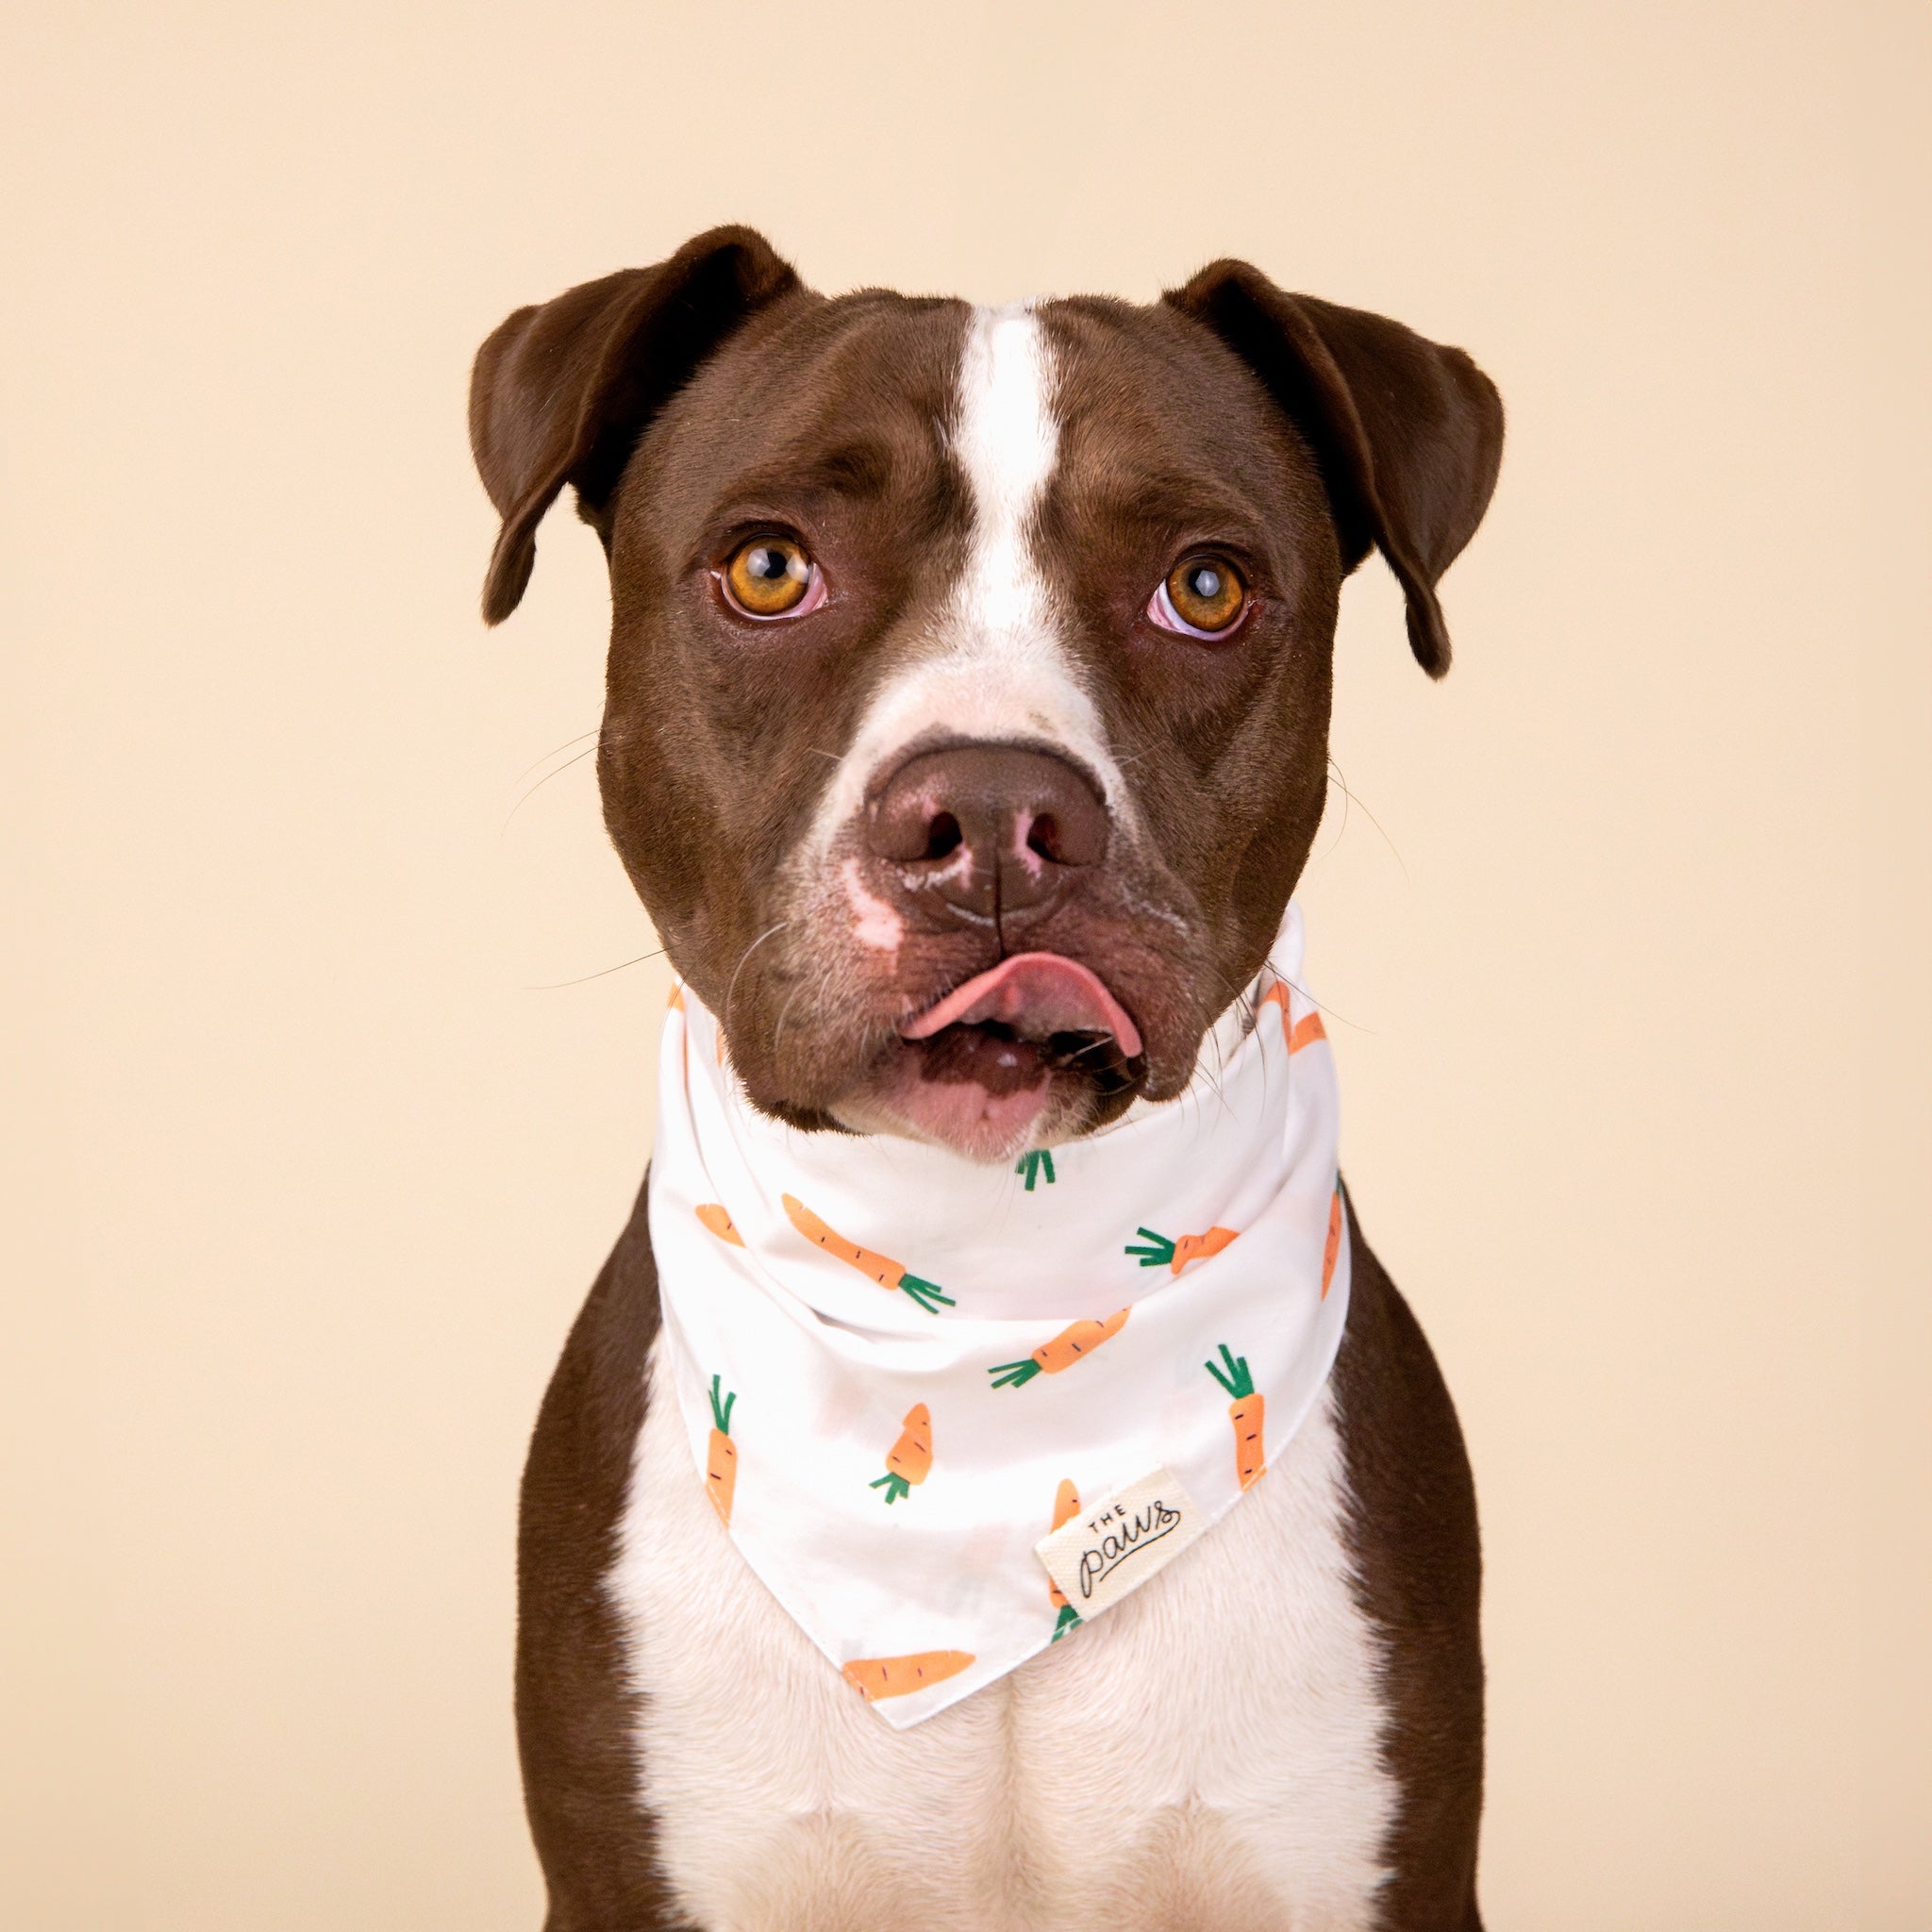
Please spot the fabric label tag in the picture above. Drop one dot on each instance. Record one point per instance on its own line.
(1104, 1553)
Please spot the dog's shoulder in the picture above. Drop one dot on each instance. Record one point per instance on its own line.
(574, 1701)
(1416, 1557)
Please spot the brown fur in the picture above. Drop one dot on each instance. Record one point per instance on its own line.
(1419, 1579)
(712, 397)
(575, 1715)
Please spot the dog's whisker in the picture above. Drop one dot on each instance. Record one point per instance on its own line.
(557, 752)
(602, 738)
(1322, 1007)
(1349, 802)
(532, 792)
(778, 1031)
(725, 1012)
(605, 973)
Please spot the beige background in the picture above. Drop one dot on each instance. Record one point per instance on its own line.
(1630, 922)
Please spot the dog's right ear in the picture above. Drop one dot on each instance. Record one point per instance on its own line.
(560, 393)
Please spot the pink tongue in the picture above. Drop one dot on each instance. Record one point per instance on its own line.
(1036, 994)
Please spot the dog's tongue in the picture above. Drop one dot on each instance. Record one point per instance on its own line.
(1037, 994)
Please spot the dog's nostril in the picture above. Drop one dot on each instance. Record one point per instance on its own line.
(943, 836)
(1024, 818)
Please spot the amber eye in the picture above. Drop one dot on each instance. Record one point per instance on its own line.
(1204, 594)
(772, 577)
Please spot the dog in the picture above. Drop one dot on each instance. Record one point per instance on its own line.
(998, 633)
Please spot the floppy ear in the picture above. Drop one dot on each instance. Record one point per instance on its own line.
(1408, 435)
(559, 393)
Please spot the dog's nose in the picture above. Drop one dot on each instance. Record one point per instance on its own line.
(993, 828)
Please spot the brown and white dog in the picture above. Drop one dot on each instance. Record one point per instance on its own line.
(944, 633)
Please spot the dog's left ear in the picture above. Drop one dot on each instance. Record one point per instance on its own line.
(560, 393)
(1409, 434)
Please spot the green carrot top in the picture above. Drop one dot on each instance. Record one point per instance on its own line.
(1235, 1379)
(1035, 1164)
(721, 1413)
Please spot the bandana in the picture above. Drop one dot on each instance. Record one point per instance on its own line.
(948, 1412)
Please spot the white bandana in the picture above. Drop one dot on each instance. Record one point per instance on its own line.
(949, 1411)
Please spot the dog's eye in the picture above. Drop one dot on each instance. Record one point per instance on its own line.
(772, 577)
(1203, 597)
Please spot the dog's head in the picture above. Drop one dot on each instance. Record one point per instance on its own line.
(968, 695)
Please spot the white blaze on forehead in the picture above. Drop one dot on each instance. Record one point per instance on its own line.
(998, 667)
(1007, 443)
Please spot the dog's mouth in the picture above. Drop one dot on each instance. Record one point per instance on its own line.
(976, 1069)
(1034, 998)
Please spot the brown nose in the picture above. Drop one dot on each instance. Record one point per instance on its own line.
(993, 828)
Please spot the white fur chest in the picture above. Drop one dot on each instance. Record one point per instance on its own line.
(1205, 1754)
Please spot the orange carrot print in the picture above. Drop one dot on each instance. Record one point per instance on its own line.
(894, 1677)
(714, 1217)
(1076, 1339)
(1332, 1247)
(1066, 1506)
(721, 1466)
(1245, 1411)
(1162, 1253)
(1298, 1033)
(873, 1266)
(1277, 995)
(911, 1458)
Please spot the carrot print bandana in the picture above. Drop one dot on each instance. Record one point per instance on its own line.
(948, 1412)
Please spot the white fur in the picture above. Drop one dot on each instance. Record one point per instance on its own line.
(1205, 1754)
(874, 923)
(998, 667)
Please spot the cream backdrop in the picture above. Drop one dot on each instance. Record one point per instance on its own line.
(1626, 926)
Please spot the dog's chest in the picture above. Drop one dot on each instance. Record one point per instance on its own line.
(1205, 1753)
